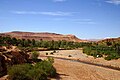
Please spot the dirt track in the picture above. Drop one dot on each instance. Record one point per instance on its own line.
(69, 70)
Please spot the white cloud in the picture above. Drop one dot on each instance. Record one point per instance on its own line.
(58, 13)
(84, 21)
(116, 2)
(79, 21)
(59, 0)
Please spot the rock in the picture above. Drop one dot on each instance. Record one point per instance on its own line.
(3, 69)
(11, 58)
(16, 57)
(2, 49)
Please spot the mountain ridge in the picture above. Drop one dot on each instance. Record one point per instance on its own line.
(47, 36)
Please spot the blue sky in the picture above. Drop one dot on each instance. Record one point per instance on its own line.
(87, 19)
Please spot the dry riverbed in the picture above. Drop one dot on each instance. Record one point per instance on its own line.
(69, 70)
(78, 55)
(72, 70)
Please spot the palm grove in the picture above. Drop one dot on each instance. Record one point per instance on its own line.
(107, 49)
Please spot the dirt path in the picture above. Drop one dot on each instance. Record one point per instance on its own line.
(69, 70)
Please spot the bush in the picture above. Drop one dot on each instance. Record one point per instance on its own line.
(19, 72)
(51, 53)
(69, 56)
(39, 71)
(108, 58)
(46, 53)
(50, 59)
(112, 56)
(37, 74)
(54, 51)
(47, 67)
(35, 55)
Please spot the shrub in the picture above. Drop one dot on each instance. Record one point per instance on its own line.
(47, 67)
(39, 71)
(19, 72)
(54, 51)
(46, 53)
(69, 56)
(35, 55)
(112, 56)
(108, 58)
(50, 59)
(37, 74)
(51, 53)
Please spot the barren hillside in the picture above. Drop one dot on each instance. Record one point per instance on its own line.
(42, 36)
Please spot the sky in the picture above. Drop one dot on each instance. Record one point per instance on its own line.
(87, 19)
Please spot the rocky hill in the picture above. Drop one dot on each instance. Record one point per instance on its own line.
(110, 40)
(10, 56)
(42, 36)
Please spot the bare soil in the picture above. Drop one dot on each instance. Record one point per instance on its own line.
(69, 70)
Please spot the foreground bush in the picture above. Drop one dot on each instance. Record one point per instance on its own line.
(19, 72)
(37, 74)
(39, 71)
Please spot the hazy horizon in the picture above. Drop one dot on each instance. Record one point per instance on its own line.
(87, 19)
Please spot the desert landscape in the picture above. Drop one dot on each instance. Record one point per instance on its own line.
(59, 39)
(67, 59)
